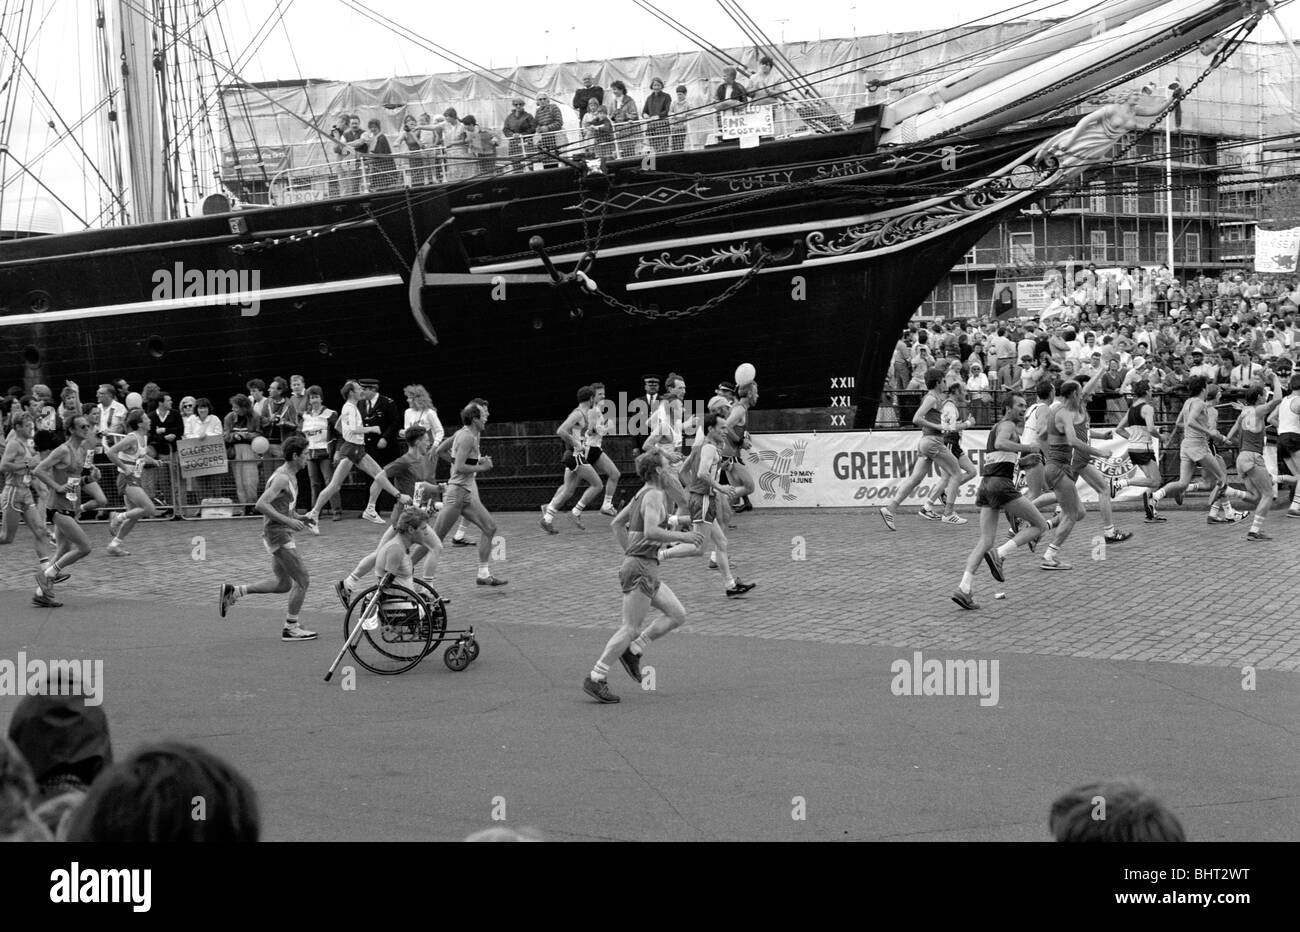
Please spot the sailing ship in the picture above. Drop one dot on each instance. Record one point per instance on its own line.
(805, 255)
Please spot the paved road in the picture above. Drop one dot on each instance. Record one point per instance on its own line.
(1131, 665)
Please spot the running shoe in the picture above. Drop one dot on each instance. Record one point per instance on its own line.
(296, 632)
(1257, 535)
(632, 664)
(227, 598)
(462, 542)
(1293, 512)
(344, 593)
(713, 564)
(598, 690)
(546, 525)
(1219, 519)
(888, 517)
(995, 564)
(929, 513)
(1050, 564)
(312, 520)
(953, 518)
(372, 516)
(491, 581)
(115, 549)
(577, 519)
(1148, 506)
(1118, 537)
(46, 601)
(740, 588)
(338, 516)
(965, 599)
(46, 584)
(943, 497)
(609, 510)
(1178, 496)
(1156, 519)
(60, 578)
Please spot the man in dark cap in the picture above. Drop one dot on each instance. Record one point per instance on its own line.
(640, 409)
(378, 411)
(65, 740)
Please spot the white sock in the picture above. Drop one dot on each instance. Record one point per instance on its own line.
(1158, 495)
(548, 515)
(599, 671)
(731, 583)
(713, 556)
(609, 502)
(967, 580)
(640, 644)
(1007, 549)
(352, 580)
(484, 571)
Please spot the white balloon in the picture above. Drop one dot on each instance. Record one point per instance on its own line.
(133, 401)
(745, 374)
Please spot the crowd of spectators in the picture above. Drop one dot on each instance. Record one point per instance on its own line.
(610, 124)
(1235, 329)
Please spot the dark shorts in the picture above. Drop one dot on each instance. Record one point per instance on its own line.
(704, 508)
(955, 447)
(574, 460)
(1141, 457)
(354, 452)
(639, 573)
(1288, 444)
(1054, 473)
(1030, 460)
(51, 512)
(996, 492)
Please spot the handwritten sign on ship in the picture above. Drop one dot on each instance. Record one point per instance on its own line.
(747, 121)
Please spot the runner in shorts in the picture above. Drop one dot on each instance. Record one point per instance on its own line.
(1199, 419)
(130, 455)
(279, 524)
(351, 452)
(1139, 426)
(952, 423)
(18, 496)
(576, 466)
(1067, 453)
(1092, 475)
(62, 472)
(641, 528)
(444, 453)
(597, 427)
(461, 496)
(997, 494)
(1252, 425)
(700, 474)
(667, 434)
(1288, 439)
(931, 449)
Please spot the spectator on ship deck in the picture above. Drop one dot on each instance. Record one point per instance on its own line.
(598, 131)
(455, 140)
(550, 124)
(679, 115)
(730, 93)
(656, 109)
(482, 145)
(623, 114)
(383, 167)
(417, 164)
(590, 90)
(519, 129)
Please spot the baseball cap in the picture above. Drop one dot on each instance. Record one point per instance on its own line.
(650, 378)
(59, 734)
(368, 383)
(726, 387)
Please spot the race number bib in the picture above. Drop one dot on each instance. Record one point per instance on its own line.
(74, 490)
(27, 479)
(420, 496)
(137, 469)
(89, 460)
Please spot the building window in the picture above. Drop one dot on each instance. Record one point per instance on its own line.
(1130, 249)
(965, 300)
(1097, 197)
(1022, 248)
(1097, 246)
(1192, 248)
(1130, 195)
(1192, 200)
(1162, 247)
(1158, 145)
(1232, 234)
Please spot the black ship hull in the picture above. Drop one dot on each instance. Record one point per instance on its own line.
(822, 248)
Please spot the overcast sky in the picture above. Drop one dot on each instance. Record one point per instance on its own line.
(332, 39)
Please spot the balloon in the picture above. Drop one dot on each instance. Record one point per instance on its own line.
(134, 401)
(261, 445)
(745, 374)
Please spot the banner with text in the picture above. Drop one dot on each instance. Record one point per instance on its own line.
(869, 467)
(747, 121)
(202, 456)
(1276, 251)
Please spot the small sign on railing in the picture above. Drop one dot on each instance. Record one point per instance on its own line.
(202, 456)
(748, 121)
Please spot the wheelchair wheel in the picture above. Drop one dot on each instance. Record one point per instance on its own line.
(400, 638)
(456, 657)
(471, 647)
(438, 617)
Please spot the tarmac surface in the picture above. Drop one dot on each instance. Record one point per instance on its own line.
(1175, 659)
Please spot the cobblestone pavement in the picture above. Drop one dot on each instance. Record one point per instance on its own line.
(1180, 592)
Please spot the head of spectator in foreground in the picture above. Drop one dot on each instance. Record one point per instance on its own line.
(374, 126)
(1116, 811)
(501, 833)
(151, 797)
(681, 92)
(256, 389)
(203, 408)
(65, 741)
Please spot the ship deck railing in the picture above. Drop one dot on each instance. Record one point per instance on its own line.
(308, 177)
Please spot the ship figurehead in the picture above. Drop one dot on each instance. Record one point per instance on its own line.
(1092, 140)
